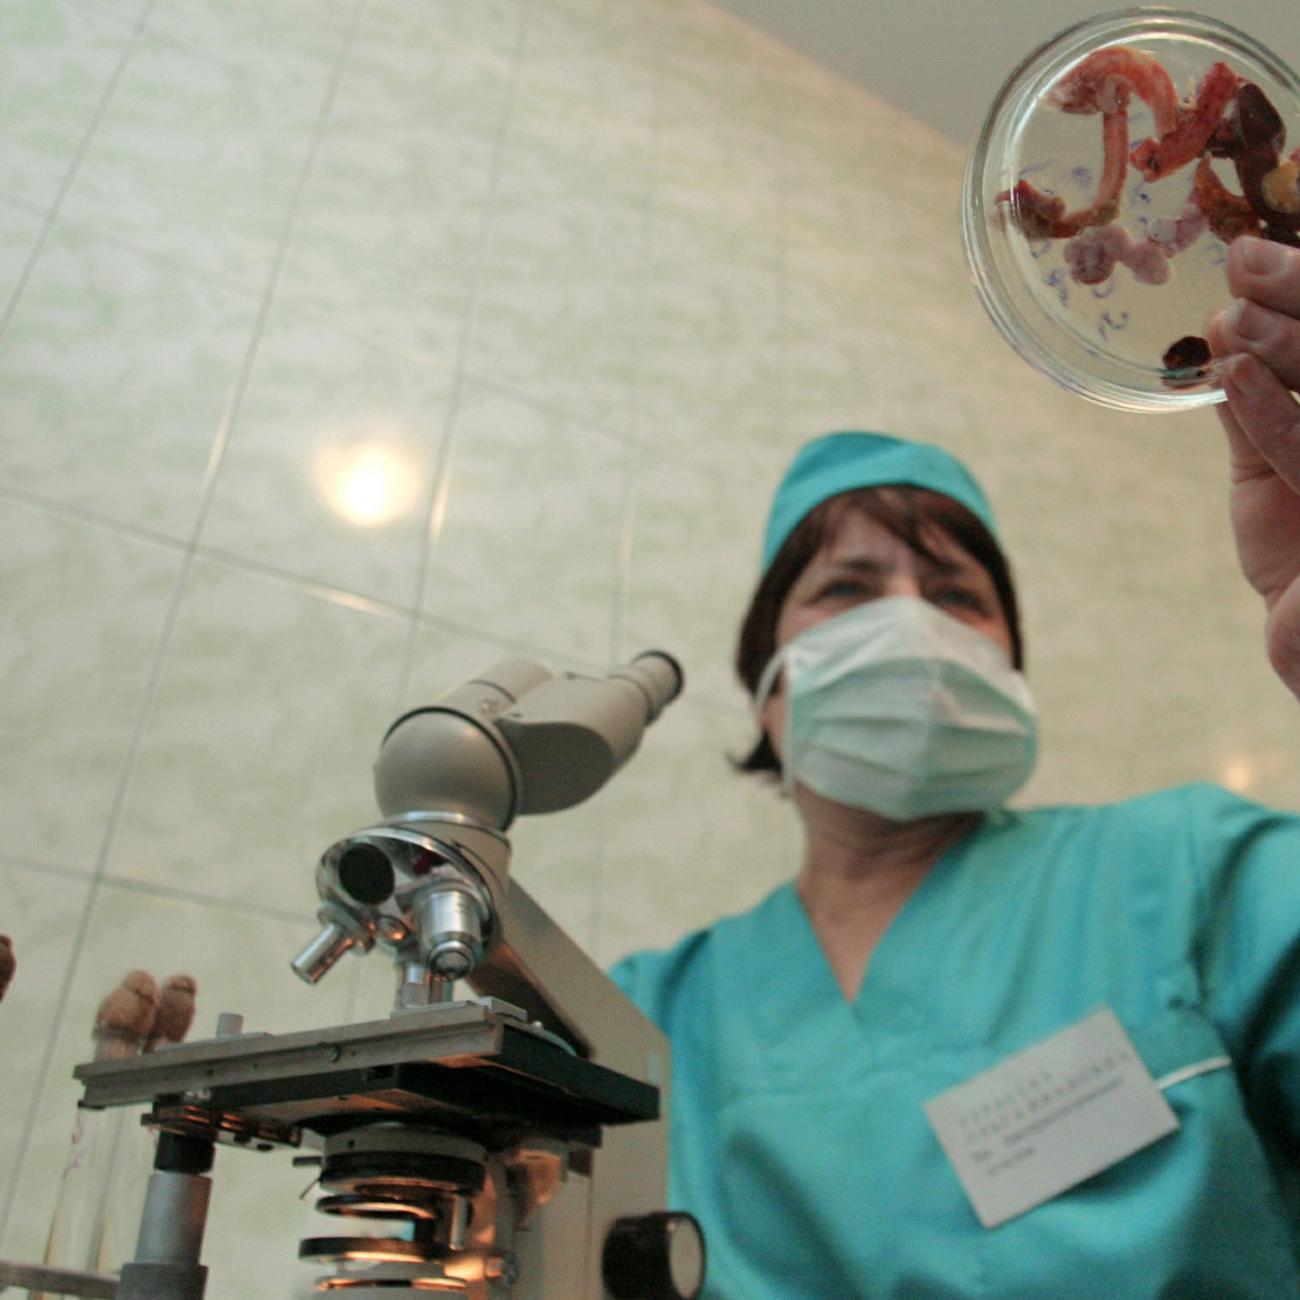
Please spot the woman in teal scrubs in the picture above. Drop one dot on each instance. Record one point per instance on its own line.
(932, 936)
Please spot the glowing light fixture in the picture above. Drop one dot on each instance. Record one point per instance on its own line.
(367, 482)
(1238, 774)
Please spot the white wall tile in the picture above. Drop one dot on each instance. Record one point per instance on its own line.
(272, 36)
(529, 527)
(155, 350)
(583, 114)
(388, 239)
(84, 608)
(729, 69)
(413, 29)
(712, 372)
(721, 175)
(559, 300)
(19, 228)
(197, 158)
(682, 510)
(328, 469)
(635, 30)
(257, 752)
(57, 58)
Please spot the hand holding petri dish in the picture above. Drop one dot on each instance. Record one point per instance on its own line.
(1116, 164)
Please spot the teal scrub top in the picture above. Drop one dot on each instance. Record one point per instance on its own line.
(798, 1135)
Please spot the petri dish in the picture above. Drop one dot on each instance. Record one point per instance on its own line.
(1095, 262)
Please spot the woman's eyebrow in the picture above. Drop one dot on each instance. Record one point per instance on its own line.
(960, 565)
(872, 567)
(858, 564)
(954, 568)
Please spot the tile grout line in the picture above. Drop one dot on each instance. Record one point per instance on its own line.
(93, 518)
(437, 500)
(317, 589)
(68, 510)
(51, 213)
(173, 611)
(221, 442)
(376, 605)
(227, 284)
(635, 440)
(152, 889)
(9, 199)
(634, 462)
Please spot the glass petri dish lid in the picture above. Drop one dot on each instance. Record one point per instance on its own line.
(1115, 166)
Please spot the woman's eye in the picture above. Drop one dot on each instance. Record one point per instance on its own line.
(960, 597)
(843, 588)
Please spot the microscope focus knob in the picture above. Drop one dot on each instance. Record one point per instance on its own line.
(654, 1257)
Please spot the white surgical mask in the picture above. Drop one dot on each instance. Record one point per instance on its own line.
(898, 708)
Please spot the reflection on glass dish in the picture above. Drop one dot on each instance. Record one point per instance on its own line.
(1115, 166)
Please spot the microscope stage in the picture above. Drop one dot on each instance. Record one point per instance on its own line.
(471, 1066)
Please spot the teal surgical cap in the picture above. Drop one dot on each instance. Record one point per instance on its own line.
(840, 462)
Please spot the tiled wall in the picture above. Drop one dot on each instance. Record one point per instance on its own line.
(589, 270)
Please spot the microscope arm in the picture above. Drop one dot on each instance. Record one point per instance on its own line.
(538, 968)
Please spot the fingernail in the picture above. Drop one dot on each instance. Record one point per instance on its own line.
(1262, 256)
(1247, 376)
(1249, 322)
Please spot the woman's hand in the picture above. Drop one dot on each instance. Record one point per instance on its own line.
(1262, 421)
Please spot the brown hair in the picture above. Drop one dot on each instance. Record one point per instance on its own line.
(907, 513)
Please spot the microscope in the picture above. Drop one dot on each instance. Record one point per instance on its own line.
(506, 1144)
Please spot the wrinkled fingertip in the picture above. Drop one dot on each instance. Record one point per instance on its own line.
(1250, 261)
(1245, 376)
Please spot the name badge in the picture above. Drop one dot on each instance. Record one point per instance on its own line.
(1048, 1117)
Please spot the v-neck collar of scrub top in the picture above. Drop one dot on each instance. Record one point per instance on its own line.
(795, 988)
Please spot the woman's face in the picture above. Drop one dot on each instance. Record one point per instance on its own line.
(863, 560)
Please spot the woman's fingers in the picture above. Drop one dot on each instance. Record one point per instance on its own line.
(1263, 326)
(1269, 334)
(1266, 272)
(1259, 339)
(1264, 412)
